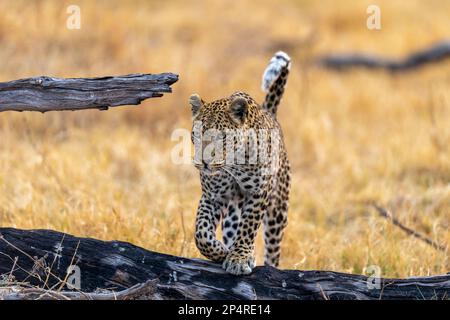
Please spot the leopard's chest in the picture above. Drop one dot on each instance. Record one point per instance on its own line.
(220, 188)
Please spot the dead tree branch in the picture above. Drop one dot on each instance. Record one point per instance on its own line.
(139, 291)
(417, 59)
(53, 94)
(386, 214)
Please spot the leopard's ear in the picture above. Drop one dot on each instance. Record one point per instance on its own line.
(196, 103)
(238, 109)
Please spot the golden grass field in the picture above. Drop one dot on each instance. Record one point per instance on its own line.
(353, 137)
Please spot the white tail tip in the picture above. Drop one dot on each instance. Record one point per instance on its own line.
(279, 61)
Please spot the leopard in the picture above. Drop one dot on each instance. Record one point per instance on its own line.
(241, 195)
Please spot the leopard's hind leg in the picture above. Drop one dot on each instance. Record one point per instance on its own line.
(275, 218)
(275, 221)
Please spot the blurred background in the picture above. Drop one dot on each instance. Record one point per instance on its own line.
(353, 137)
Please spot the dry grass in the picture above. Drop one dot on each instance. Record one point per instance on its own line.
(353, 137)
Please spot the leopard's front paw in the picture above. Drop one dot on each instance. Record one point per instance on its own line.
(239, 261)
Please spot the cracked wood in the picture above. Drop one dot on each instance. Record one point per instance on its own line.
(42, 257)
(54, 94)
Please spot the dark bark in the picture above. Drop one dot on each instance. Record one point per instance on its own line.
(41, 258)
(344, 61)
(53, 94)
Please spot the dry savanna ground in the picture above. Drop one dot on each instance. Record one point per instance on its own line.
(353, 137)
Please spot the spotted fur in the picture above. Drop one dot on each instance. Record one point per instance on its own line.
(274, 80)
(241, 196)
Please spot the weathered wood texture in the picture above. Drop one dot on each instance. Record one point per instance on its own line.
(41, 258)
(53, 94)
(435, 53)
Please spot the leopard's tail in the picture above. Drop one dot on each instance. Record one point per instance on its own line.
(274, 80)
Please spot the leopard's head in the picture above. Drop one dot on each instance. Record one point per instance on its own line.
(216, 124)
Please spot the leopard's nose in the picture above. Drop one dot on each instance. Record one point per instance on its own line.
(208, 166)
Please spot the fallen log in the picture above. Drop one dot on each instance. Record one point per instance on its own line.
(41, 263)
(54, 94)
(417, 59)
